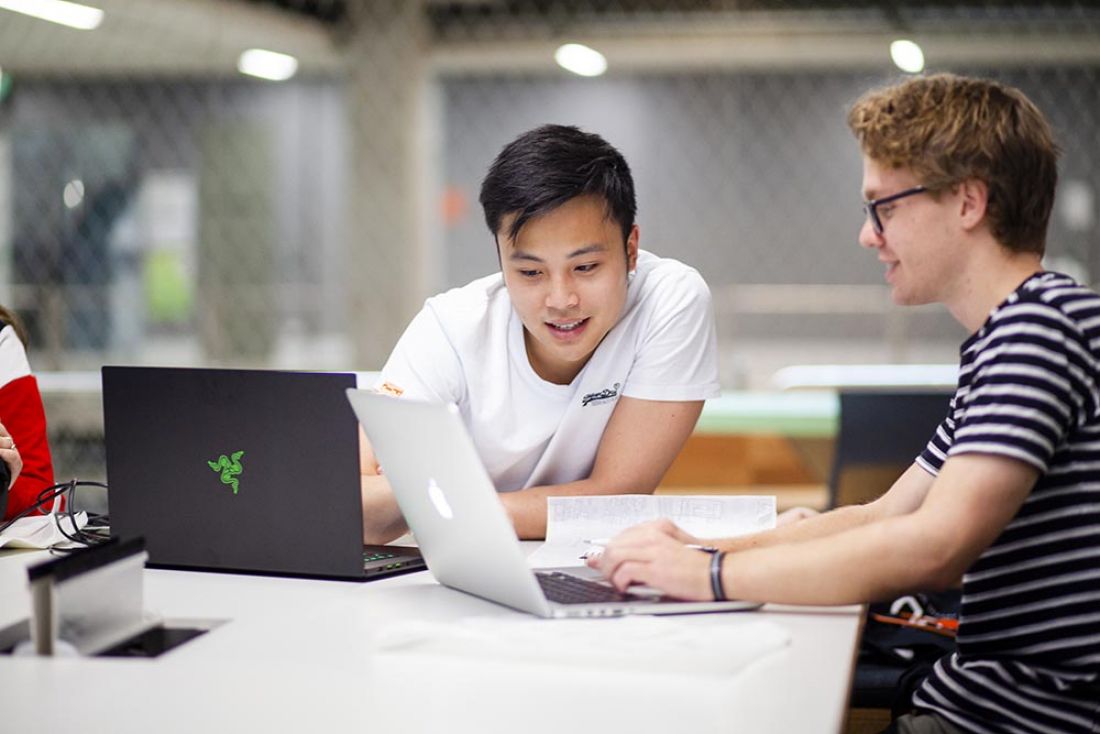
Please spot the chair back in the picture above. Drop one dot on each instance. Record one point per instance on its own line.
(880, 435)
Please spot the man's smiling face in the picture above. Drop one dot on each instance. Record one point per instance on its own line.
(566, 273)
(917, 245)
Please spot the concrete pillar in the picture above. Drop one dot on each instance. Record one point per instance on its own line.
(388, 263)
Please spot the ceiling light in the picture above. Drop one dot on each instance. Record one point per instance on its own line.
(908, 56)
(73, 195)
(580, 59)
(74, 15)
(267, 64)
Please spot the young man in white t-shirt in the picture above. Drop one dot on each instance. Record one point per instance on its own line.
(581, 367)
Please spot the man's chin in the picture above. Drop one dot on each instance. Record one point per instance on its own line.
(906, 298)
(577, 354)
(563, 357)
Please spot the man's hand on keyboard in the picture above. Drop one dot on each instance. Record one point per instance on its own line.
(657, 554)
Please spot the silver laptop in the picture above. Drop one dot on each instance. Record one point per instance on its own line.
(462, 528)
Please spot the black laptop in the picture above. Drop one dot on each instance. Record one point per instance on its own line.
(240, 470)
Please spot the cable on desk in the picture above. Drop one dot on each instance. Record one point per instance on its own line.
(94, 533)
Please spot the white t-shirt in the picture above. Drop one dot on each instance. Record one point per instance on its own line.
(466, 346)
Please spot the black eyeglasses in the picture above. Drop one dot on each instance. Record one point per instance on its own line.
(870, 208)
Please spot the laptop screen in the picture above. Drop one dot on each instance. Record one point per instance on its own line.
(235, 469)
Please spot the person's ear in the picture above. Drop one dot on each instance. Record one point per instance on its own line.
(973, 196)
(632, 249)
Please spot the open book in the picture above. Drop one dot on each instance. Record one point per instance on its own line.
(572, 523)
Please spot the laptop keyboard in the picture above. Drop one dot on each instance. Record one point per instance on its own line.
(386, 560)
(369, 556)
(564, 588)
(373, 561)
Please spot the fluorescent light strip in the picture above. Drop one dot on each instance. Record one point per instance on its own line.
(270, 65)
(865, 376)
(73, 15)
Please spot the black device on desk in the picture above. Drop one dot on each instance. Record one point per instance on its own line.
(241, 470)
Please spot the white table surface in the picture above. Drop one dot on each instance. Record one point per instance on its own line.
(296, 655)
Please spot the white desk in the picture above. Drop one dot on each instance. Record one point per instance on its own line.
(296, 656)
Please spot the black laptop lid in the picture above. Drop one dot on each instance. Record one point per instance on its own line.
(235, 469)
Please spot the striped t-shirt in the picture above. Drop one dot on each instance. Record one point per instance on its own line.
(1028, 656)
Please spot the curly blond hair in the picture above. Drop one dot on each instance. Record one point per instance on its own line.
(946, 128)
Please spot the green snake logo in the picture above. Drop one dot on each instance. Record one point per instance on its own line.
(229, 467)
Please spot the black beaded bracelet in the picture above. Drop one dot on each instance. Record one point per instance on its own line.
(716, 575)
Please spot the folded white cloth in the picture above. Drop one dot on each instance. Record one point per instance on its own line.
(639, 644)
(41, 531)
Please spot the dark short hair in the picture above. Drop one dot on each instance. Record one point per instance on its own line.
(550, 165)
(946, 128)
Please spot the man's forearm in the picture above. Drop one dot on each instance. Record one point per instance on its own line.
(527, 510)
(818, 526)
(869, 562)
(527, 507)
(382, 519)
(632, 457)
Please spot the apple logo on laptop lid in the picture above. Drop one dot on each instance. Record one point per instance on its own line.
(439, 500)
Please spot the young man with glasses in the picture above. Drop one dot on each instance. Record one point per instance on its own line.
(564, 362)
(958, 178)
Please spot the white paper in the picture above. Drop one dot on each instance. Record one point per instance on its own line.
(41, 531)
(636, 644)
(571, 522)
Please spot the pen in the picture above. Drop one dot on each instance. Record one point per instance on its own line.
(601, 543)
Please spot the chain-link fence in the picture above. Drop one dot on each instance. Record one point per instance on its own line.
(156, 206)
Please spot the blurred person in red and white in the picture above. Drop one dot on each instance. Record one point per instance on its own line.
(23, 445)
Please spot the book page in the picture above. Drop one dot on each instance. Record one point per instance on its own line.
(577, 525)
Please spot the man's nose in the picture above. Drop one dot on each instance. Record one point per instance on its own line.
(868, 237)
(562, 295)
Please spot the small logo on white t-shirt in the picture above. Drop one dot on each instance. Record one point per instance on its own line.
(600, 397)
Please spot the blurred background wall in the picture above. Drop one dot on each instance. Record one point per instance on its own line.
(158, 206)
